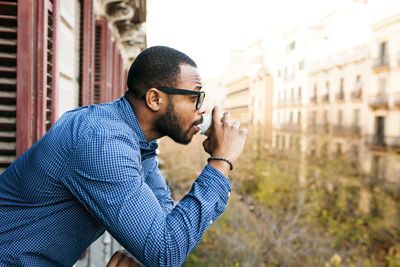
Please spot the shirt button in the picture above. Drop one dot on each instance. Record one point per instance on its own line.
(229, 194)
(211, 221)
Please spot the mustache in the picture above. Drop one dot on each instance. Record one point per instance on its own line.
(199, 121)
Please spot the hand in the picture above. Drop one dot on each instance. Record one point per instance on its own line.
(226, 139)
(123, 258)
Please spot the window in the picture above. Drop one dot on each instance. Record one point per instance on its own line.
(291, 117)
(299, 94)
(314, 117)
(378, 167)
(339, 149)
(292, 45)
(341, 89)
(356, 116)
(299, 117)
(301, 65)
(358, 81)
(340, 117)
(87, 51)
(103, 63)
(381, 86)
(28, 74)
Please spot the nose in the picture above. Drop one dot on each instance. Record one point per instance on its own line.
(202, 109)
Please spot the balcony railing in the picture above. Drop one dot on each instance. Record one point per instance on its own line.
(289, 126)
(376, 142)
(356, 94)
(312, 127)
(340, 96)
(355, 130)
(325, 98)
(381, 63)
(397, 100)
(340, 130)
(378, 101)
(295, 101)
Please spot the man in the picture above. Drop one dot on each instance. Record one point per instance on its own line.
(96, 170)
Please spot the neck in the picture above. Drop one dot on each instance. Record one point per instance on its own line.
(145, 117)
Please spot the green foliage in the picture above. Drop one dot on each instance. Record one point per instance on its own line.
(283, 212)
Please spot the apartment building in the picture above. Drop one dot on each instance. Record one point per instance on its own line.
(338, 109)
(56, 55)
(383, 121)
(249, 93)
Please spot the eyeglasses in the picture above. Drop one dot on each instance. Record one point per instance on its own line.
(174, 91)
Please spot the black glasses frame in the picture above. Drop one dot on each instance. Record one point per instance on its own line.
(175, 91)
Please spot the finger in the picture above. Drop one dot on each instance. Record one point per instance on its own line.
(115, 259)
(236, 124)
(126, 261)
(215, 116)
(227, 118)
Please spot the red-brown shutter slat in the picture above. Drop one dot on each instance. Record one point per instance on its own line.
(8, 76)
(46, 91)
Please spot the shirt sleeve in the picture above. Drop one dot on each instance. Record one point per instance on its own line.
(155, 180)
(105, 175)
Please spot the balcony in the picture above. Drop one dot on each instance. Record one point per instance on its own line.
(393, 143)
(356, 94)
(324, 128)
(378, 101)
(281, 102)
(340, 130)
(381, 64)
(376, 142)
(312, 127)
(355, 130)
(325, 98)
(313, 99)
(397, 100)
(296, 101)
(289, 127)
(340, 96)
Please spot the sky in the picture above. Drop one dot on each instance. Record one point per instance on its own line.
(207, 30)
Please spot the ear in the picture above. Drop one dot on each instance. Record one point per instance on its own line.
(153, 99)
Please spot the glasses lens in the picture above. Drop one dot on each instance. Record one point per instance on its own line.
(200, 100)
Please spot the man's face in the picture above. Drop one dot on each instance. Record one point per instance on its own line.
(181, 117)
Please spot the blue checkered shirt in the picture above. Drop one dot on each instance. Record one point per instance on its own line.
(95, 171)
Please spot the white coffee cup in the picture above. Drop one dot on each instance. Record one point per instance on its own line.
(207, 121)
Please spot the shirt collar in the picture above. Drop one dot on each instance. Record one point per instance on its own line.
(131, 120)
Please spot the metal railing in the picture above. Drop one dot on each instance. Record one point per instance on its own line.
(376, 142)
(381, 62)
(325, 98)
(397, 99)
(356, 93)
(340, 96)
(379, 100)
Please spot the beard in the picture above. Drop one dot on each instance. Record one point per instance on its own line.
(169, 124)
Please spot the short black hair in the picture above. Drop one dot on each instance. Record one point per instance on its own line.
(157, 66)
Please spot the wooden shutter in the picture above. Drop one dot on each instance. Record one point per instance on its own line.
(116, 73)
(103, 63)
(87, 36)
(47, 67)
(8, 81)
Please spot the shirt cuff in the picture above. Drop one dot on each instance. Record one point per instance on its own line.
(220, 183)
